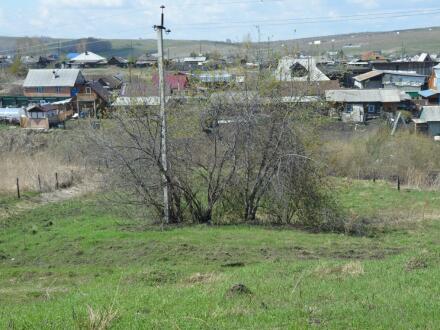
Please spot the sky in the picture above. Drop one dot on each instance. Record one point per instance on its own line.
(212, 20)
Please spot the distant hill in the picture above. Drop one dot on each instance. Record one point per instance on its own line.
(411, 42)
(393, 42)
(112, 47)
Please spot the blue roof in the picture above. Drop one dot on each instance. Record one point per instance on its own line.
(72, 55)
(428, 93)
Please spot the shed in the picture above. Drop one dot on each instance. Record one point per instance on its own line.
(432, 95)
(429, 121)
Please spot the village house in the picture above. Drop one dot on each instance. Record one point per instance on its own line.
(92, 100)
(422, 65)
(195, 60)
(145, 61)
(372, 56)
(58, 83)
(360, 105)
(108, 81)
(87, 59)
(432, 94)
(176, 82)
(299, 69)
(409, 82)
(119, 62)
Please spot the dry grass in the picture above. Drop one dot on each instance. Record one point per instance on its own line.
(101, 319)
(28, 168)
(203, 278)
(352, 269)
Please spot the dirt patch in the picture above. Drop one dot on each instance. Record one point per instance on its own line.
(416, 263)
(233, 264)
(238, 290)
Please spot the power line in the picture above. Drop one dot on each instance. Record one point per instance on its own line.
(285, 22)
(299, 19)
(308, 20)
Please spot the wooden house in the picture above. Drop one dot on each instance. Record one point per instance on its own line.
(409, 82)
(119, 62)
(110, 82)
(92, 99)
(61, 83)
(145, 61)
(360, 105)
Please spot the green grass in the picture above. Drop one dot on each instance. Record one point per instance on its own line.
(365, 198)
(58, 259)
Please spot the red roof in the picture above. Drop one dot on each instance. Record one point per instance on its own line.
(175, 81)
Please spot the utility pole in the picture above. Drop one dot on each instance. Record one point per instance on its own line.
(163, 129)
(130, 62)
(259, 45)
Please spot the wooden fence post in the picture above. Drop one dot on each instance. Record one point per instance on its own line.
(398, 183)
(39, 183)
(57, 185)
(18, 188)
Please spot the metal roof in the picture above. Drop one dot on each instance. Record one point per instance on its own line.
(52, 78)
(124, 101)
(195, 59)
(368, 75)
(365, 95)
(376, 73)
(430, 114)
(89, 57)
(428, 93)
(63, 102)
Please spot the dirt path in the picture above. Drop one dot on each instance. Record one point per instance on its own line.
(44, 199)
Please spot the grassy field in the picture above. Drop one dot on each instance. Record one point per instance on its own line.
(78, 264)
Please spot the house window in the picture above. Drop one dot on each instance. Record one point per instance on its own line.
(59, 90)
(40, 90)
(37, 115)
(88, 90)
(371, 108)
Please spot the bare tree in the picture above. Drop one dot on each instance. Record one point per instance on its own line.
(248, 154)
